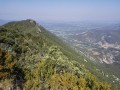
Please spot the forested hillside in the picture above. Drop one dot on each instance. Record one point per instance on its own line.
(31, 58)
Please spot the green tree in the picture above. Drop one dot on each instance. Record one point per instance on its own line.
(7, 62)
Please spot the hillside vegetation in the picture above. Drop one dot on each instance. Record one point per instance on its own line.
(31, 58)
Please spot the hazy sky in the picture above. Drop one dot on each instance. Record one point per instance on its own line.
(61, 10)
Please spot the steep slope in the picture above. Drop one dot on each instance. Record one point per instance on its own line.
(99, 44)
(32, 58)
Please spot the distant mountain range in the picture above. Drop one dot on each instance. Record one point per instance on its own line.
(101, 44)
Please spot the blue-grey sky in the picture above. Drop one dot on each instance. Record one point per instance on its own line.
(61, 10)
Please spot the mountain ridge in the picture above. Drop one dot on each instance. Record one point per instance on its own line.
(33, 58)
